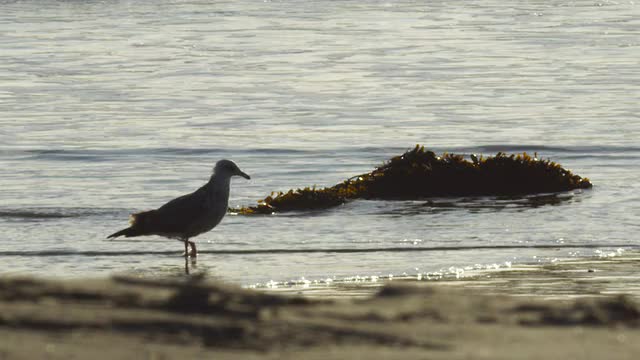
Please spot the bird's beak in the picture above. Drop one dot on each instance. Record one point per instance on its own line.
(244, 175)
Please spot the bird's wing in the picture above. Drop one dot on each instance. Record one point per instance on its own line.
(175, 216)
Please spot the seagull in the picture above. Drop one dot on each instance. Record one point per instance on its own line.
(189, 215)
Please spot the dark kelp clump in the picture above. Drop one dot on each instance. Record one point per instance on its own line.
(420, 173)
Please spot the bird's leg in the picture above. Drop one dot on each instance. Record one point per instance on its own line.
(186, 247)
(186, 255)
(193, 252)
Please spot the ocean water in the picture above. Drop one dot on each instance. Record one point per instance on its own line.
(112, 107)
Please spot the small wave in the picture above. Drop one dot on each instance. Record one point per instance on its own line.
(25, 214)
(106, 155)
(98, 154)
(52, 213)
(110, 154)
(48, 253)
(543, 150)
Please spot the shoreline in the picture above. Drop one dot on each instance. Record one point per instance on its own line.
(610, 273)
(523, 312)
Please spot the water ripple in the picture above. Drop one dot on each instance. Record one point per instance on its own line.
(49, 253)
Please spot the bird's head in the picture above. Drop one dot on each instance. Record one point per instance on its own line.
(229, 168)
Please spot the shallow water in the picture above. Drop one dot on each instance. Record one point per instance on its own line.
(111, 107)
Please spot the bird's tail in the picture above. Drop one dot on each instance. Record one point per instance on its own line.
(137, 222)
(126, 232)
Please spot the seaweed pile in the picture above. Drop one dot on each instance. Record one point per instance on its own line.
(419, 173)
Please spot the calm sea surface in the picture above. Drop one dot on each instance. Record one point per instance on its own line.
(112, 107)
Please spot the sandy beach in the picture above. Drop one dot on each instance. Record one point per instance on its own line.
(581, 309)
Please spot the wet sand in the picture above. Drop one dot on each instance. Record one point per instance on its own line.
(613, 273)
(571, 310)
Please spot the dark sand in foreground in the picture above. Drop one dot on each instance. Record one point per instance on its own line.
(474, 318)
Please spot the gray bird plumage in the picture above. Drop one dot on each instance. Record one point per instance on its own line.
(189, 215)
